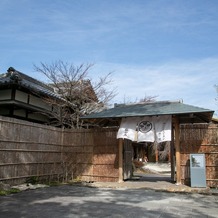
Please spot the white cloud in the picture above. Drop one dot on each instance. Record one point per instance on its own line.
(192, 81)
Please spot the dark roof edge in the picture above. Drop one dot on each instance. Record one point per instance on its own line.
(11, 70)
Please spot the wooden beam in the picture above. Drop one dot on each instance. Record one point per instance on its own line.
(120, 160)
(177, 147)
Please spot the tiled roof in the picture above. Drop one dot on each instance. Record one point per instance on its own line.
(15, 77)
(188, 112)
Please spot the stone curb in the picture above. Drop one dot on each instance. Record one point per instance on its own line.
(182, 190)
(123, 185)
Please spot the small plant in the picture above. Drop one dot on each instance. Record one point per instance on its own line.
(10, 191)
(32, 180)
(76, 180)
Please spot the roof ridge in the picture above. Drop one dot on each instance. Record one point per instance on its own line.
(143, 103)
(30, 79)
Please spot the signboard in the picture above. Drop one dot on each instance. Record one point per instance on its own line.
(197, 170)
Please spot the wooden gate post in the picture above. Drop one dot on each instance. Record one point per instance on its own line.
(177, 146)
(172, 155)
(120, 160)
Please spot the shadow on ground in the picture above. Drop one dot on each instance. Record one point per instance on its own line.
(81, 201)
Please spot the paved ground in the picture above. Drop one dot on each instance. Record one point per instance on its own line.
(81, 201)
(146, 195)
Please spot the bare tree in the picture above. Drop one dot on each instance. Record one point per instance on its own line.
(145, 99)
(148, 99)
(80, 95)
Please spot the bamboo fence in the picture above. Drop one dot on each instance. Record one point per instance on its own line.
(200, 139)
(29, 150)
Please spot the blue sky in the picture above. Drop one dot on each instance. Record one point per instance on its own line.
(164, 48)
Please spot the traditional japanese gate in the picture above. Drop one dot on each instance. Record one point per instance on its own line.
(181, 114)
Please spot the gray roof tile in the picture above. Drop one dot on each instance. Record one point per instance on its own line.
(153, 109)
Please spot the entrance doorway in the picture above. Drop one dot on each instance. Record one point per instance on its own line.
(148, 161)
(152, 152)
